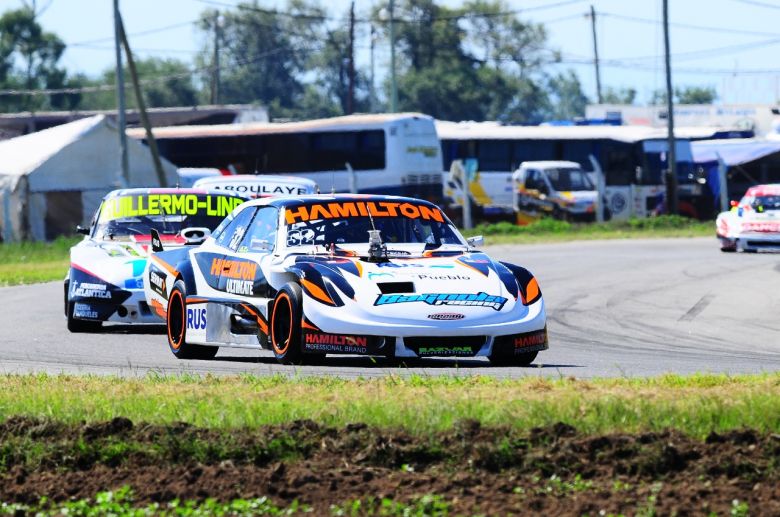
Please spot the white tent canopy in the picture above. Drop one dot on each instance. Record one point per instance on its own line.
(54, 179)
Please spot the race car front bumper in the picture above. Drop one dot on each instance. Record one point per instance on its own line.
(752, 242)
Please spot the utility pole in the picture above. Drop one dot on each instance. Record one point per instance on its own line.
(124, 172)
(671, 155)
(393, 82)
(351, 72)
(595, 53)
(371, 86)
(215, 70)
(142, 107)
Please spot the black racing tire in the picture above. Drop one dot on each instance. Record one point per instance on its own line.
(728, 249)
(79, 326)
(285, 324)
(515, 360)
(176, 326)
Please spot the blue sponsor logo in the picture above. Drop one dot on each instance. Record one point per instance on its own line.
(464, 300)
(372, 275)
(196, 318)
(413, 264)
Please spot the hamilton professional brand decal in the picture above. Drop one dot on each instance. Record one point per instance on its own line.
(237, 269)
(531, 340)
(469, 300)
(446, 316)
(315, 341)
(243, 287)
(341, 209)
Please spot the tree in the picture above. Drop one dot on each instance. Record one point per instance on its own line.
(687, 95)
(619, 96)
(164, 83)
(28, 59)
(567, 99)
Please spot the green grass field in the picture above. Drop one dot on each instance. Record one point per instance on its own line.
(696, 405)
(31, 262)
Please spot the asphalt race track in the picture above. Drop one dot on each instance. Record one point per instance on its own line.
(615, 308)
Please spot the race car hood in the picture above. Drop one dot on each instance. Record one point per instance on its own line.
(118, 263)
(444, 285)
(579, 196)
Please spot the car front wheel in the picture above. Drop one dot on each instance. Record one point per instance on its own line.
(176, 323)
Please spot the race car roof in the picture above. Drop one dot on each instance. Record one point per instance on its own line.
(771, 189)
(170, 190)
(320, 198)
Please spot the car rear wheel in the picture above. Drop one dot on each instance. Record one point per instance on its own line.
(286, 317)
(515, 360)
(176, 323)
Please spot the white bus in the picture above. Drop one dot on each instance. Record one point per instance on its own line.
(378, 154)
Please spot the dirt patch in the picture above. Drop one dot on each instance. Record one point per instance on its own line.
(472, 468)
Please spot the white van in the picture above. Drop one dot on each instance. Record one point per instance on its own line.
(559, 189)
(259, 185)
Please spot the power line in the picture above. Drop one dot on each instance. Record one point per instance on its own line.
(686, 25)
(759, 4)
(135, 34)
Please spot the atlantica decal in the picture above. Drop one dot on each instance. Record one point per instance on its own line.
(469, 300)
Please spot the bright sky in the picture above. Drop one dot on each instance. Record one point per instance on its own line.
(731, 45)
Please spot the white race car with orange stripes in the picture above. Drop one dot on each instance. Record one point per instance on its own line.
(345, 274)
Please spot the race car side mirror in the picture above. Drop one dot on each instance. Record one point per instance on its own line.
(82, 230)
(156, 241)
(476, 241)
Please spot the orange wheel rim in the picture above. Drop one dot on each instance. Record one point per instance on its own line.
(175, 342)
(275, 324)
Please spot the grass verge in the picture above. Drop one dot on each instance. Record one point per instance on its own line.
(31, 262)
(696, 405)
(551, 230)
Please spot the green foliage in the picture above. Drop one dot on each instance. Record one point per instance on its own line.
(120, 503)
(29, 262)
(687, 95)
(425, 506)
(618, 95)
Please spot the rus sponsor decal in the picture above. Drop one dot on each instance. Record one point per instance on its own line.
(446, 316)
(458, 299)
(340, 210)
(196, 318)
(91, 290)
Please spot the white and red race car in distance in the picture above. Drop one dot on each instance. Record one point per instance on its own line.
(345, 274)
(753, 223)
(104, 282)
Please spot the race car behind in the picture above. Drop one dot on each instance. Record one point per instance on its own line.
(104, 281)
(753, 223)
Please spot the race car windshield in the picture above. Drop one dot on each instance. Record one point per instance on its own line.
(565, 180)
(428, 226)
(124, 216)
(764, 203)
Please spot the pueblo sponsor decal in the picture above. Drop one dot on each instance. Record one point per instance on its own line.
(761, 227)
(530, 340)
(344, 209)
(424, 276)
(262, 190)
(468, 300)
(335, 343)
(446, 316)
(196, 318)
(167, 204)
(445, 350)
(91, 290)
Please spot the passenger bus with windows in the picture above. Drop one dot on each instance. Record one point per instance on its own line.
(631, 158)
(377, 154)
